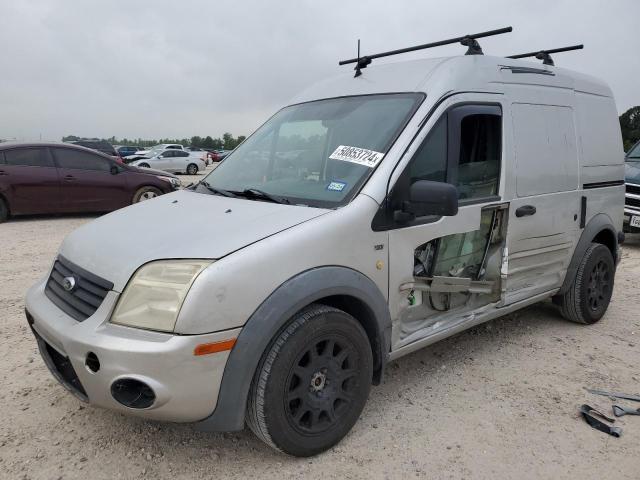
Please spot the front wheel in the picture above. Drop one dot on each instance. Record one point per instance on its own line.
(146, 193)
(587, 299)
(312, 383)
(192, 169)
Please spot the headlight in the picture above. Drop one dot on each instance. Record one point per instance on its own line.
(173, 181)
(153, 297)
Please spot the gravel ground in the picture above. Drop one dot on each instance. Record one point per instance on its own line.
(498, 401)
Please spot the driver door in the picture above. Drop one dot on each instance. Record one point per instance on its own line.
(442, 269)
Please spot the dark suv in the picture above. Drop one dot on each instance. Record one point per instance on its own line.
(64, 178)
(632, 197)
(99, 145)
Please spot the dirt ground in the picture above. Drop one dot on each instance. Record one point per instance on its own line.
(499, 401)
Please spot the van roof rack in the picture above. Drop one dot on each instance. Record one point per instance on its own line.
(545, 55)
(469, 41)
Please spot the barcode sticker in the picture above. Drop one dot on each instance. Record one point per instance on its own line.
(361, 156)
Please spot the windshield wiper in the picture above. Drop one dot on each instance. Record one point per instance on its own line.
(262, 195)
(217, 191)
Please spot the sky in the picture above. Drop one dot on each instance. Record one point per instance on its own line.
(174, 69)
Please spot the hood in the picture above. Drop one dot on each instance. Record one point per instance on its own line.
(150, 171)
(632, 171)
(182, 224)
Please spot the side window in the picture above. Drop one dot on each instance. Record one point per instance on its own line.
(78, 160)
(2, 161)
(173, 147)
(32, 157)
(169, 154)
(478, 166)
(180, 153)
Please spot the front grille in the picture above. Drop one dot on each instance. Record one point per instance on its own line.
(632, 202)
(86, 295)
(635, 189)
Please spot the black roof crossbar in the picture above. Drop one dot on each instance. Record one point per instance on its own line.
(469, 41)
(545, 55)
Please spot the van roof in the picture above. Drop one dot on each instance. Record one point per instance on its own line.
(436, 76)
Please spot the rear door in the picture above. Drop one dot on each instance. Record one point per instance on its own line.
(30, 181)
(87, 183)
(182, 159)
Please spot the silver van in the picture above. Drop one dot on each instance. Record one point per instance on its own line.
(371, 217)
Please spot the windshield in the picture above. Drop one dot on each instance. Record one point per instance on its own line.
(318, 153)
(634, 153)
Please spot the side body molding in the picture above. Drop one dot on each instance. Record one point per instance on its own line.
(596, 225)
(272, 316)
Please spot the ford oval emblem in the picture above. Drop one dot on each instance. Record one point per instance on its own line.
(69, 283)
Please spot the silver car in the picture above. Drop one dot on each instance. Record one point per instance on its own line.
(173, 161)
(372, 217)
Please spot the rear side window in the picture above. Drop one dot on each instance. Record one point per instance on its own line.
(181, 154)
(545, 145)
(31, 157)
(78, 160)
(173, 147)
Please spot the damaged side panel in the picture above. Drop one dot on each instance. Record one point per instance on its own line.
(453, 276)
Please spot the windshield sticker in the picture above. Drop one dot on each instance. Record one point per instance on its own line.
(361, 156)
(336, 186)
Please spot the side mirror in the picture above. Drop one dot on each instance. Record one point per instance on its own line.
(114, 170)
(433, 198)
(428, 198)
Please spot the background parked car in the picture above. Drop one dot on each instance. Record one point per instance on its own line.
(64, 178)
(222, 153)
(153, 151)
(174, 161)
(632, 196)
(126, 150)
(99, 145)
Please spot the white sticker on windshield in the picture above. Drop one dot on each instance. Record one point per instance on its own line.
(361, 156)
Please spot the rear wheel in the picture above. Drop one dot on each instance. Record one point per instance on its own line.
(192, 169)
(4, 211)
(313, 382)
(587, 299)
(146, 193)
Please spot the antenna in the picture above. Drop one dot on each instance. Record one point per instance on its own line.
(361, 63)
(469, 41)
(545, 55)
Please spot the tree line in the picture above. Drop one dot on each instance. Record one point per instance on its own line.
(227, 142)
(630, 127)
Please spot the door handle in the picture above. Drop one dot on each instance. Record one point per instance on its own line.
(69, 178)
(2, 172)
(525, 210)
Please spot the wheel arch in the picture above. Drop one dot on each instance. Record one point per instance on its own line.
(600, 229)
(339, 287)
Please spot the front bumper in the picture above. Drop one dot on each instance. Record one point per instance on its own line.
(185, 386)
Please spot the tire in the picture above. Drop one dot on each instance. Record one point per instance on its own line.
(589, 295)
(4, 211)
(146, 193)
(322, 363)
(192, 169)
(144, 165)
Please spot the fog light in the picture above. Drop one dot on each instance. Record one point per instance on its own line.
(92, 363)
(132, 393)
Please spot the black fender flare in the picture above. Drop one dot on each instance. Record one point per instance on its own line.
(272, 316)
(596, 225)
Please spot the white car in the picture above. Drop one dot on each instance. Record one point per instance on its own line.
(173, 161)
(152, 151)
